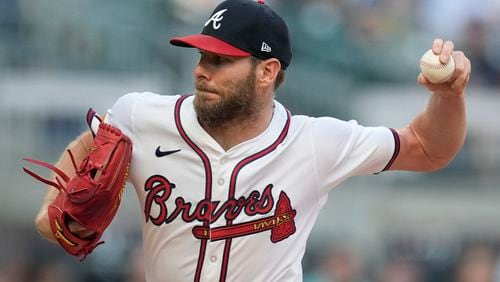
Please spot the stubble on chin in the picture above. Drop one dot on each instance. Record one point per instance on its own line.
(240, 105)
(206, 111)
(237, 102)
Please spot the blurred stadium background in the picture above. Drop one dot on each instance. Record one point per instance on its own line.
(353, 59)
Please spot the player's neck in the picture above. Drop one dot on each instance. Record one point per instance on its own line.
(234, 132)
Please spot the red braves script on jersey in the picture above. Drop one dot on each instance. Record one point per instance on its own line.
(159, 190)
(243, 214)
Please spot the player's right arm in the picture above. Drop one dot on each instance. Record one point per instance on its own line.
(79, 149)
(436, 135)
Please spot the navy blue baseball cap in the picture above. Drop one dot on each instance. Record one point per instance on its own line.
(243, 28)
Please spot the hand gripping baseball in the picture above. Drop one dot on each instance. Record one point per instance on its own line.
(91, 197)
(444, 71)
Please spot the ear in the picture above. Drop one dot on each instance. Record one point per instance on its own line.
(267, 71)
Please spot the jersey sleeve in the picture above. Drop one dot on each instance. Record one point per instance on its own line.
(344, 149)
(121, 113)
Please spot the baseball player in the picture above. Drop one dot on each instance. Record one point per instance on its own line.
(229, 182)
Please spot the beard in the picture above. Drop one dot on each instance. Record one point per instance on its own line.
(236, 102)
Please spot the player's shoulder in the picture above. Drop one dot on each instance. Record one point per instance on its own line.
(323, 123)
(142, 106)
(147, 97)
(130, 101)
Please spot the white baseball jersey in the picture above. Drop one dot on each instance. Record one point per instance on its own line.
(243, 214)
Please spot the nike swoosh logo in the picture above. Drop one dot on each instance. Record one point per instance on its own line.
(160, 153)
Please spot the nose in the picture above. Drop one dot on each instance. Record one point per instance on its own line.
(200, 72)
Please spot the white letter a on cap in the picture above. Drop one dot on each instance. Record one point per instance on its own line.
(215, 19)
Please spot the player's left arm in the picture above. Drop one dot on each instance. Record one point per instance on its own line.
(436, 135)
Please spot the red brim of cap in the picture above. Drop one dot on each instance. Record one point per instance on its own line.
(210, 44)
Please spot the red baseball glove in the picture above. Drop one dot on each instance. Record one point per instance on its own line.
(91, 197)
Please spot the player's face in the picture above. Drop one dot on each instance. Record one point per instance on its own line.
(225, 89)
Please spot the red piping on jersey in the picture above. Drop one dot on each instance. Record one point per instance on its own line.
(397, 145)
(208, 178)
(232, 186)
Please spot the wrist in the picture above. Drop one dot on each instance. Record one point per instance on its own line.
(449, 94)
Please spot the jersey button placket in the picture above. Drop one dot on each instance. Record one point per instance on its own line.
(215, 249)
(221, 181)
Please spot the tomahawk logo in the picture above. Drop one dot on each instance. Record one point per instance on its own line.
(265, 47)
(281, 224)
(216, 19)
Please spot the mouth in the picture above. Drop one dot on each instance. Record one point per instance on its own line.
(207, 93)
(207, 96)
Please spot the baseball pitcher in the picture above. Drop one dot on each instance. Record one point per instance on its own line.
(230, 183)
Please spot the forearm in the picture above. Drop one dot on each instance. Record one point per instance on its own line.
(441, 128)
(435, 136)
(79, 148)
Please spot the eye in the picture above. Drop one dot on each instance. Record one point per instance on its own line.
(213, 59)
(218, 60)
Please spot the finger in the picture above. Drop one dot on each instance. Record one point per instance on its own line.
(85, 234)
(79, 231)
(467, 66)
(75, 227)
(459, 58)
(422, 80)
(437, 45)
(425, 82)
(446, 52)
(461, 82)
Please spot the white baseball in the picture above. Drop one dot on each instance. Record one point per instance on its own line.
(434, 70)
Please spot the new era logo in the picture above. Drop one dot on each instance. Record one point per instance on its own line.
(265, 47)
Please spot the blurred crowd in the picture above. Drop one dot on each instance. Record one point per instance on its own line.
(366, 40)
(403, 259)
(340, 46)
(29, 258)
(407, 259)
